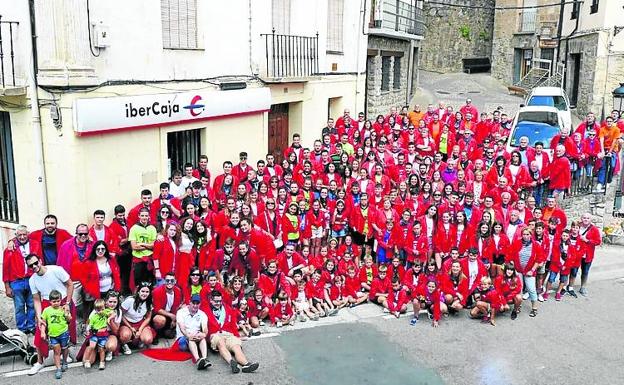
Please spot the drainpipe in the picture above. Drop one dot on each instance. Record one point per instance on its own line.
(36, 116)
(559, 29)
(250, 43)
(357, 61)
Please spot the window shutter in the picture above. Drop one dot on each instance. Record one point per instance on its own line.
(179, 23)
(280, 13)
(335, 17)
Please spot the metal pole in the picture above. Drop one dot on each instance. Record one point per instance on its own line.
(1, 54)
(12, 54)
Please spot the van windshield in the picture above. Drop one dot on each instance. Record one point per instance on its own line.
(552, 101)
(535, 131)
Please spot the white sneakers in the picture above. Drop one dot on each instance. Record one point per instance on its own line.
(126, 349)
(109, 356)
(35, 369)
(525, 296)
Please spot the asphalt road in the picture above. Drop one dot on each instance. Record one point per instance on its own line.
(576, 341)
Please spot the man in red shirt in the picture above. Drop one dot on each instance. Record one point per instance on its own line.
(15, 276)
(223, 335)
(202, 168)
(146, 201)
(48, 240)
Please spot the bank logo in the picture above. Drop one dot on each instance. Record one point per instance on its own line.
(195, 108)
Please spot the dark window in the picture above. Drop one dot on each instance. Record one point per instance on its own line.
(183, 147)
(385, 73)
(594, 6)
(8, 193)
(397, 72)
(575, 10)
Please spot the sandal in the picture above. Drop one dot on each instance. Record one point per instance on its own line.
(533, 313)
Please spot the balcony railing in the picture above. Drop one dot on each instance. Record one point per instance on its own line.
(527, 21)
(8, 31)
(402, 16)
(290, 56)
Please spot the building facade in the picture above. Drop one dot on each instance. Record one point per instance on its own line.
(522, 35)
(395, 32)
(456, 33)
(117, 106)
(592, 49)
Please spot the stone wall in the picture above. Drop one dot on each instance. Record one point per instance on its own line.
(378, 101)
(454, 33)
(586, 46)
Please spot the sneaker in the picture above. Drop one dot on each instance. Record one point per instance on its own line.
(87, 365)
(126, 349)
(558, 297)
(201, 364)
(545, 296)
(414, 321)
(278, 324)
(386, 311)
(514, 315)
(256, 333)
(598, 187)
(261, 323)
(234, 366)
(109, 356)
(583, 291)
(430, 316)
(540, 298)
(63, 366)
(525, 296)
(397, 314)
(333, 312)
(58, 374)
(250, 367)
(207, 363)
(35, 369)
(102, 365)
(572, 293)
(533, 313)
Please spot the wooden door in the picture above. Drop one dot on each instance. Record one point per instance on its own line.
(278, 131)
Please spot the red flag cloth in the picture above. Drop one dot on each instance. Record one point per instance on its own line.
(172, 353)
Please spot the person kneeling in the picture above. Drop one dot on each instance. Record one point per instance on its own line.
(488, 302)
(192, 329)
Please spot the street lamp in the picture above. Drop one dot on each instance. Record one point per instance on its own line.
(618, 98)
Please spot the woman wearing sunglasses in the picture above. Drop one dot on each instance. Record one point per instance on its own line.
(98, 274)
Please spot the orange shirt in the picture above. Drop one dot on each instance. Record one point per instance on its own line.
(415, 117)
(610, 136)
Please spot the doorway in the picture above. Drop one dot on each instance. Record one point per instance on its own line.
(183, 147)
(414, 83)
(523, 59)
(576, 73)
(278, 130)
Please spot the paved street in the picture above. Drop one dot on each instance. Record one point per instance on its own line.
(570, 342)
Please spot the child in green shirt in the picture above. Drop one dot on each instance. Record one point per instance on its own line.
(98, 327)
(56, 330)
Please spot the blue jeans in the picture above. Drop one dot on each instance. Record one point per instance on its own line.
(602, 173)
(23, 303)
(529, 284)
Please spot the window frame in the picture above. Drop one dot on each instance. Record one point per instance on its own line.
(594, 6)
(335, 27)
(8, 186)
(396, 80)
(385, 79)
(168, 37)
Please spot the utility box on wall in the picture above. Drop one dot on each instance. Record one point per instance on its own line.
(100, 36)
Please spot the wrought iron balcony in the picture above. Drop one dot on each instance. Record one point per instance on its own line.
(8, 33)
(290, 56)
(397, 18)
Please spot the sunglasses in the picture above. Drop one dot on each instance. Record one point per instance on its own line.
(100, 249)
(31, 265)
(195, 275)
(82, 234)
(145, 284)
(112, 293)
(170, 280)
(270, 203)
(164, 212)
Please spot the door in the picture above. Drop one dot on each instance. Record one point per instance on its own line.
(517, 68)
(576, 73)
(527, 59)
(278, 130)
(548, 54)
(414, 84)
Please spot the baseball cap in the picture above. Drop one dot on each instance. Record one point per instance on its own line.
(195, 298)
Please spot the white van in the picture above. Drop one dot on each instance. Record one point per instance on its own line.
(552, 97)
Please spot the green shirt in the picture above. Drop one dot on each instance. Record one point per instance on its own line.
(98, 321)
(142, 234)
(55, 320)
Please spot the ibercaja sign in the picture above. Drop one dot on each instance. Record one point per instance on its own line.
(109, 114)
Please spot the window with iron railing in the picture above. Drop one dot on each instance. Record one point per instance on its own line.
(404, 16)
(8, 33)
(290, 56)
(8, 192)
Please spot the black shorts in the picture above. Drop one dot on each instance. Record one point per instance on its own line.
(316, 302)
(499, 259)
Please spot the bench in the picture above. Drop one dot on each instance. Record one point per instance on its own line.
(476, 64)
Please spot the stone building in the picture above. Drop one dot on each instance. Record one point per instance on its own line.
(521, 35)
(394, 37)
(592, 48)
(456, 33)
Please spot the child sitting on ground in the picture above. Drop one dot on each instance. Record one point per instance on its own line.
(301, 302)
(282, 312)
(55, 326)
(243, 319)
(98, 330)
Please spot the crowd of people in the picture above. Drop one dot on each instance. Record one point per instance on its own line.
(416, 210)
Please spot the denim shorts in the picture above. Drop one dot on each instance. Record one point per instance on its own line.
(183, 344)
(99, 340)
(62, 340)
(563, 278)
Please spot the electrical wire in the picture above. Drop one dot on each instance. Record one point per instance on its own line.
(503, 8)
(89, 32)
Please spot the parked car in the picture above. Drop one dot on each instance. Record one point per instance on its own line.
(538, 123)
(552, 97)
